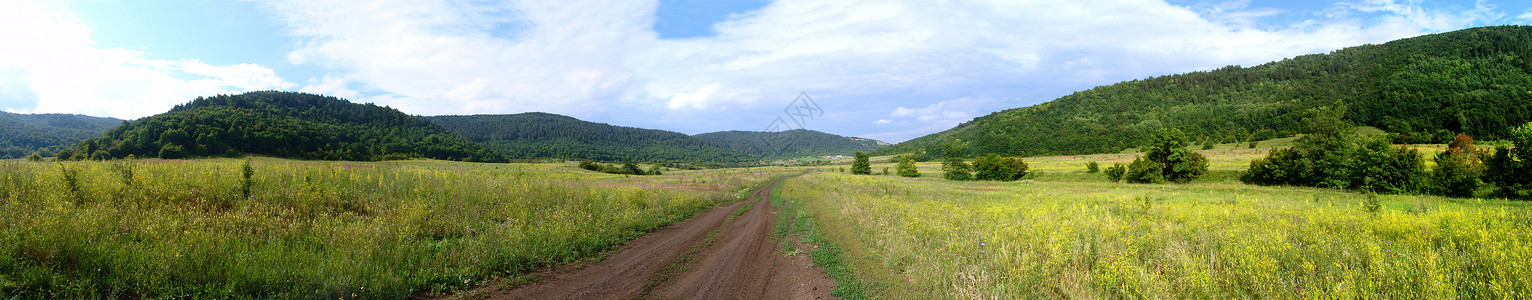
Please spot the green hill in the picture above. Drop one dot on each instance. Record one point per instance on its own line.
(544, 135)
(283, 124)
(22, 134)
(1422, 89)
(791, 143)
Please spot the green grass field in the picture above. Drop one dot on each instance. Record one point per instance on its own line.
(183, 228)
(398, 229)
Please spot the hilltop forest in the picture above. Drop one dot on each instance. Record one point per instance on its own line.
(1421, 90)
(282, 124)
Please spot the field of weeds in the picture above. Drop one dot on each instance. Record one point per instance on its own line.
(222, 228)
(1071, 235)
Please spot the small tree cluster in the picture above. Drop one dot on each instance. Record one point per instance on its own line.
(862, 165)
(1510, 169)
(1115, 172)
(1092, 167)
(627, 168)
(1379, 168)
(1327, 157)
(1167, 160)
(1323, 157)
(1458, 169)
(956, 169)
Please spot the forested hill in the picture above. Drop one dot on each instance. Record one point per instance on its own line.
(22, 134)
(282, 124)
(1423, 89)
(544, 135)
(791, 143)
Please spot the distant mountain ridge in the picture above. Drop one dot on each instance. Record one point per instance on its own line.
(791, 143)
(1423, 89)
(23, 134)
(545, 135)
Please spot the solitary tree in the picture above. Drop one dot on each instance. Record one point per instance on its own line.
(907, 166)
(1167, 159)
(1458, 169)
(862, 165)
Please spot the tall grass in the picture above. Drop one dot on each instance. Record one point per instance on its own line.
(944, 239)
(284, 229)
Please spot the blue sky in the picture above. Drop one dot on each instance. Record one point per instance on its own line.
(887, 69)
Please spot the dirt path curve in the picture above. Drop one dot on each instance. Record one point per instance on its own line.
(714, 255)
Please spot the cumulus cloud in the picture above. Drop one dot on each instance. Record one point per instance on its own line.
(1412, 14)
(331, 85)
(54, 66)
(458, 57)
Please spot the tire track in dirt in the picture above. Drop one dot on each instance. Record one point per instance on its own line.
(714, 255)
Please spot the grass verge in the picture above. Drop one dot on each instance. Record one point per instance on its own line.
(794, 219)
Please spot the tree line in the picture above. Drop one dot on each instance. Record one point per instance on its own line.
(1331, 156)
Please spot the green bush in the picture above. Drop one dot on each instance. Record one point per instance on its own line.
(994, 167)
(1015, 168)
(1115, 172)
(956, 169)
(1324, 157)
(1144, 171)
(1380, 168)
(1168, 160)
(590, 165)
(172, 151)
(1092, 167)
(1283, 166)
(1458, 169)
(906, 167)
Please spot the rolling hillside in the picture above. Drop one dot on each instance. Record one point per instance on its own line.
(1422, 89)
(282, 124)
(792, 143)
(22, 134)
(544, 135)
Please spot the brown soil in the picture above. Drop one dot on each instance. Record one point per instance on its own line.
(714, 255)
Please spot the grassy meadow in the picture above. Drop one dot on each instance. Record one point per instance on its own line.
(189, 228)
(1070, 234)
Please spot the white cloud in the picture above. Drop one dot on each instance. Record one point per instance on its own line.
(1413, 14)
(1526, 15)
(333, 86)
(51, 51)
(882, 121)
(452, 57)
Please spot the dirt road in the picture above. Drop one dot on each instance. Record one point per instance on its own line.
(714, 255)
